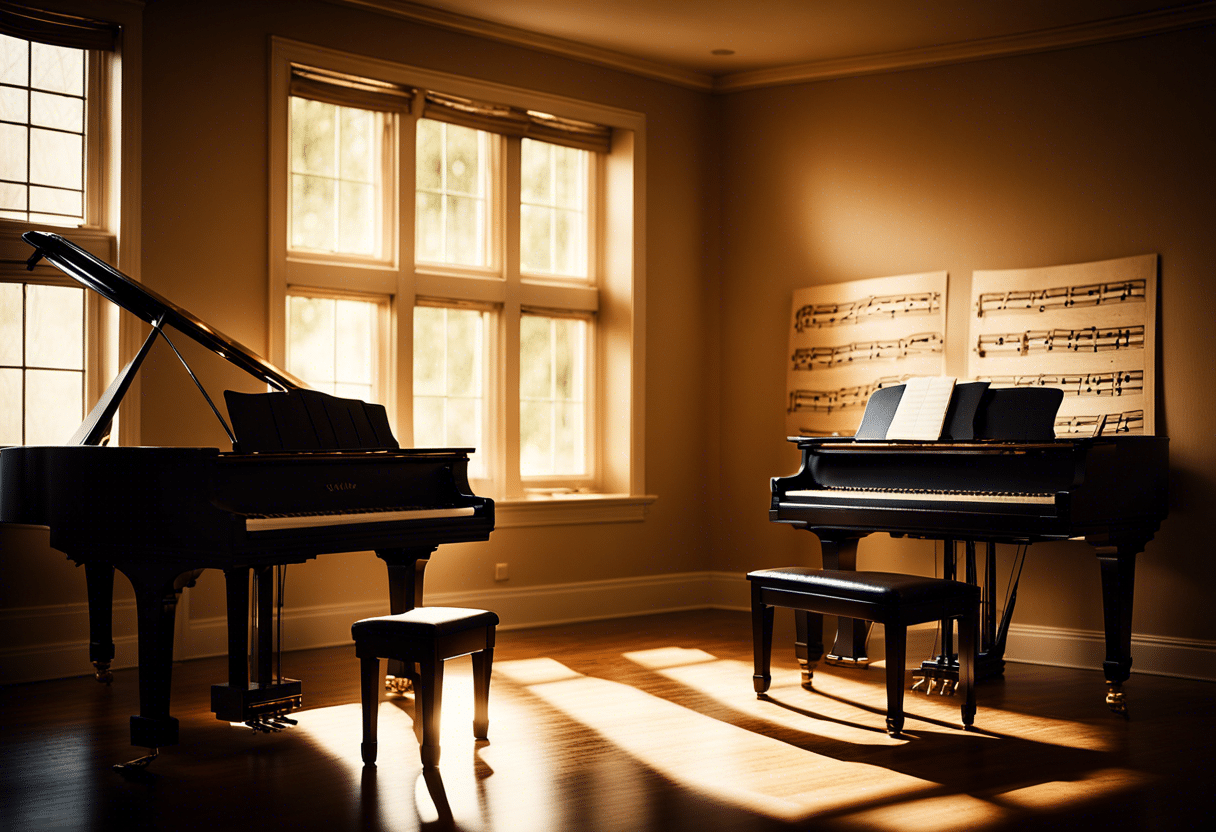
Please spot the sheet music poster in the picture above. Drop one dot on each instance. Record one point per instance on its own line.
(1089, 329)
(849, 339)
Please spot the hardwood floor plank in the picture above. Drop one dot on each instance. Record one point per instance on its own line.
(645, 723)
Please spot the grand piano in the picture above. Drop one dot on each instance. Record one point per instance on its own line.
(309, 474)
(996, 475)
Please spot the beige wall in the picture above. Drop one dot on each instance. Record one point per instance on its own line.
(1079, 155)
(1063, 157)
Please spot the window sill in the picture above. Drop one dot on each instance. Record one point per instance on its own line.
(571, 509)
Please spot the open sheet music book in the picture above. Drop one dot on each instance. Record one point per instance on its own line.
(922, 409)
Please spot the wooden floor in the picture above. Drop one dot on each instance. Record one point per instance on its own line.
(632, 724)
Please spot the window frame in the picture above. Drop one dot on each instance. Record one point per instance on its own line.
(616, 356)
(111, 229)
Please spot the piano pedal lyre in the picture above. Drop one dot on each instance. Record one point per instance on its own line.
(927, 681)
(398, 684)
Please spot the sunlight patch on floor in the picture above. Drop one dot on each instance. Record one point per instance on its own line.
(793, 707)
(710, 757)
(1098, 785)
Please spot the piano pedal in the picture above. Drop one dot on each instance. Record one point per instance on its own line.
(920, 683)
(138, 764)
(398, 684)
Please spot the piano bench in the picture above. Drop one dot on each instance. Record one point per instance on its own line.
(427, 637)
(894, 600)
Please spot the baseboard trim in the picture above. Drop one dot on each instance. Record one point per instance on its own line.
(64, 652)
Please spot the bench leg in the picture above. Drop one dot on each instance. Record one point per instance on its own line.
(808, 644)
(428, 702)
(483, 663)
(897, 648)
(968, 637)
(369, 687)
(762, 641)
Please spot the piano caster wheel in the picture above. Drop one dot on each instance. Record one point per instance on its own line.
(1116, 699)
(137, 765)
(103, 673)
(398, 684)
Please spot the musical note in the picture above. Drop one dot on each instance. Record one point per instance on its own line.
(1061, 297)
(827, 401)
(852, 312)
(1118, 383)
(1088, 339)
(810, 358)
(1127, 422)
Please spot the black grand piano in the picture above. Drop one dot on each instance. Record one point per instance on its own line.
(997, 475)
(309, 474)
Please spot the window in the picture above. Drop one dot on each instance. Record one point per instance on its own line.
(56, 342)
(496, 241)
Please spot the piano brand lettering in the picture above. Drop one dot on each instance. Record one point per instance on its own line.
(339, 486)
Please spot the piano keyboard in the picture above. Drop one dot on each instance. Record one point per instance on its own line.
(254, 525)
(896, 495)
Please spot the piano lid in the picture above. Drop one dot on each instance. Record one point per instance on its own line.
(141, 301)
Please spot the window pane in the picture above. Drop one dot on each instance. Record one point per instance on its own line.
(10, 324)
(43, 131)
(56, 159)
(332, 344)
(452, 194)
(449, 373)
(313, 206)
(337, 178)
(14, 105)
(355, 324)
(10, 406)
(310, 340)
(57, 68)
(555, 209)
(14, 61)
(552, 414)
(60, 112)
(54, 335)
(54, 406)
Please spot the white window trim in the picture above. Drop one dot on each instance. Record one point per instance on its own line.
(620, 319)
(113, 208)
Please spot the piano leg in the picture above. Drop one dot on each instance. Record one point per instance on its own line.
(1117, 560)
(156, 593)
(406, 571)
(850, 647)
(99, 578)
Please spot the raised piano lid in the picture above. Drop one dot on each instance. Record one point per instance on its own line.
(142, 302)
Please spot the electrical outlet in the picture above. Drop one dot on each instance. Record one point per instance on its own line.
(500, 572)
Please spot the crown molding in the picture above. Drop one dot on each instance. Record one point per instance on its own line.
(1045, 40)
(534, 40)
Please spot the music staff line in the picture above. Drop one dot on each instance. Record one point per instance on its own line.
(1061, 297)
(817, 315)
(1129, 421)
(1117, 383)
(827, 401)
(810, 358)
(1089, 339)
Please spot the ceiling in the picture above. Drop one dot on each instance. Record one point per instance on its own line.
(709, 42)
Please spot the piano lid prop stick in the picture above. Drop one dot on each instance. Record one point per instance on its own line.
(201, 389)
